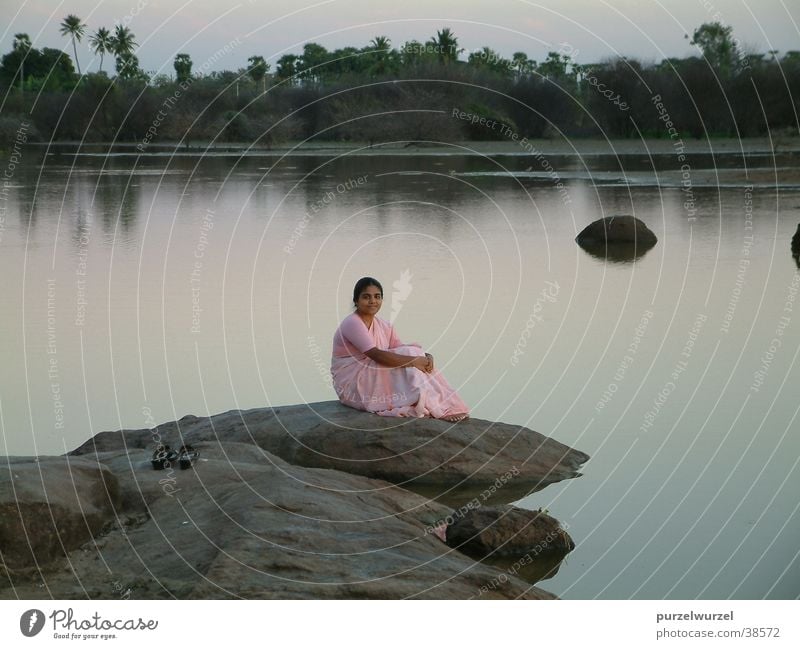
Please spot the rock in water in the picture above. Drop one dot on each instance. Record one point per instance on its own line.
(527, 544)
(507, 531)
(618, 238)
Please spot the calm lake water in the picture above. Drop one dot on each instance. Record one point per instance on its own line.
(140, 289)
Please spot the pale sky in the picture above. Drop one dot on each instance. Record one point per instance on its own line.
(592, 30)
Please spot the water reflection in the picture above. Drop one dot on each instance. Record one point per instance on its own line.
(533, 567)
(480, 249)
(622, 252)
(25, 186)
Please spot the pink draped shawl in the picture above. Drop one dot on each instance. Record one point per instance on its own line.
(362, 383)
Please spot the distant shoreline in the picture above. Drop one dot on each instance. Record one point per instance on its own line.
(571, 146)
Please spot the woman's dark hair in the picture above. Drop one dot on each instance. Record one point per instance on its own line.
(362, 284)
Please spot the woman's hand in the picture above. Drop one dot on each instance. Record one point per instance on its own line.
(390, 359)
(423, 364)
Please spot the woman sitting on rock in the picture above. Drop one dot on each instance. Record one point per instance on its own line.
(373, 371)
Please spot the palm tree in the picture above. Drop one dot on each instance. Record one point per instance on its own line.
(312, 65)
(488, 59)
(521, 63)
(122, 44)
(379, 54)
(447, 45)
(22, 44)
(101, 42)
(380, 43)
(555, 66)
(287, 67)
(72, 26)
(183, 67)
(258, 70)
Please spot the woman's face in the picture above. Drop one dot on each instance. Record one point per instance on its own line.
(369, 301)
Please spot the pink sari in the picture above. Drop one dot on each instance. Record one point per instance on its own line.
(363, 384)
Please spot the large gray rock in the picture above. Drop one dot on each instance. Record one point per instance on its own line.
(451, 463)
(526, 544)
(51, 505)
(619, 238)
(507, 531)
(245, 524)
(290, 502)
(617, 229)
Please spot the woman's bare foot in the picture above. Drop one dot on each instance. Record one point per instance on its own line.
(459, 416)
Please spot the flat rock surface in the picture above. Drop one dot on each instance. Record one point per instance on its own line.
(52, 505)
(243, 523)
(449, 462)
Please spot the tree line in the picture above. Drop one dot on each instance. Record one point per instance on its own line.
(381, 93)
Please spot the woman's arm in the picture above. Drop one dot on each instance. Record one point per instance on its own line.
(390, 359)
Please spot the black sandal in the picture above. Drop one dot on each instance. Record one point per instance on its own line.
(187, 455)
(162, 456)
